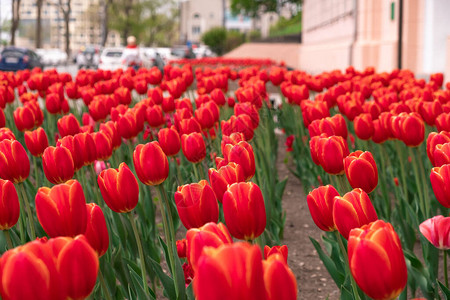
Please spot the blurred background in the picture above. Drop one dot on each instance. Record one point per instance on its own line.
(312, 35)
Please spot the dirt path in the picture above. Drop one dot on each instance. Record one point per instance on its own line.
(313, 280)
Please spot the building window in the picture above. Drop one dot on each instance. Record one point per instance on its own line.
(196, 16)
(195, 29)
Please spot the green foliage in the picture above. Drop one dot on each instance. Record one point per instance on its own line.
(286, 26)
(253, 8)
(145, 21)
(254, 35)
(233, 39)
(215, 38)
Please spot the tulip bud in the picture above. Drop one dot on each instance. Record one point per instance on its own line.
(230, 272)
(353, 210)
(196, 204)
(209, 235)
(361, 171)
(14, 162)
(9, 205)
(169, 140)
(279, 280)
(193, 147)
(68, 125)
(96, 229)
(61, 210)
(119, 188)
(437, 231)
(226, 175)
(36, 141)
(320, 203)
(58, 164)
(150, 163)
(440, 182)
(244, 210)
(376, 260)
(241, 154)
(281, 250)
(364, 128)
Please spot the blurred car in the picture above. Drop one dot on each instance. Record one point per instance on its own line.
(203, 51)
(154, 58)
(182, 52)
(111, 59)
(15, 58)
(88, 57)
(52, 57)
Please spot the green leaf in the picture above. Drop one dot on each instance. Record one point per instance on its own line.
(445, 291)
(190, 292)
(329, 264)
(137, 286)
(166, 281)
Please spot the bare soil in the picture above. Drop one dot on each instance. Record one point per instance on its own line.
(313, 280)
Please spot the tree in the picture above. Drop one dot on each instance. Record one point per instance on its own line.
(215, 38)
(253, 8)
(66, 9)
(105, 5)
(38, 41)
(150, 21)
(15, 20)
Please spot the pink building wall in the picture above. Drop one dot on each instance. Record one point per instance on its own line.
(330, 41)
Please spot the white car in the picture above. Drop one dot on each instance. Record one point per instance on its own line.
(52, 57)
(111, 59)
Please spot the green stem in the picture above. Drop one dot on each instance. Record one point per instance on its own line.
(169, 232)
(383, 183)
(103, 285)
(426, 197)
(196, 174)
(9, 241)
(402, 169)
(347, 266)
(445, 268)
(418, 183)
(28, 210)
(141, 252)
(36, 177)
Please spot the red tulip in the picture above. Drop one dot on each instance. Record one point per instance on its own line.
(376, 260)
(122, 95)
(61, 210)
(440, 179)
(169, 140)
(78, 265)
(9, 205)
(58, 164)
(218, 97)
(244, 210)
(193, 146)
(320, 203)
(364, 128)
(150, 163)
(196, 204)
(6, 134)
(241, 154)
(230, 272)
(155, 116)
(76, 151)
(14, 162)
(36, 141)
(433, 140)
(24, 118)
(361, 170)
(119, 188)
(110, 129)
(281, 250)
(226, 175)
(86, 145)
(96, 231)
(209, 235)
(68, 125)
(279, 280)
(353, 210)
(103, 145)
(329, 153)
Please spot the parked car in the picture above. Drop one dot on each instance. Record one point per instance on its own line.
(182, 52)
(111, 59)
(88, 57)
(154, 58)
(52, 57)
(15, 58)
